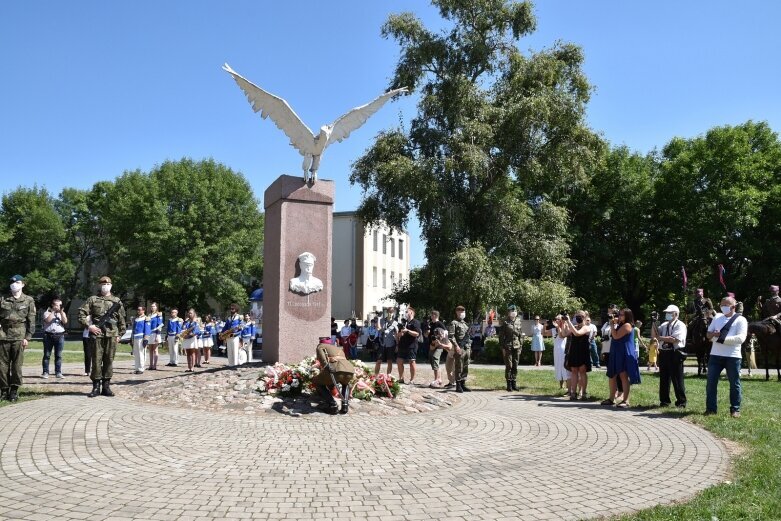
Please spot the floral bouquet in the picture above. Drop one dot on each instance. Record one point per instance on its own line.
(386, 385)
(286, 380)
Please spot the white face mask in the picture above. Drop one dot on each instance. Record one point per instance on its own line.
(668, 316)
(105, 289)
(512, 315)
(461, 315)
(726, 309)
(16, 287)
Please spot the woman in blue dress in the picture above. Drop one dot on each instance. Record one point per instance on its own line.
(622, 362)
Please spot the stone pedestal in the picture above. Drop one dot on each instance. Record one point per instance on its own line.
(298, 219)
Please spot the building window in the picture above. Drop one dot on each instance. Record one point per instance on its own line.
(401, 248)
(374, 276)
(374, 240)
(393, 247)
(384, 284)
(384, 244)
(393, 278)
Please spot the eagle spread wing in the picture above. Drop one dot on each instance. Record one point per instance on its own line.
(286, 120)
(343, 126)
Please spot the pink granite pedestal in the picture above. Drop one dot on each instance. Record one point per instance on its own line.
(298, 219)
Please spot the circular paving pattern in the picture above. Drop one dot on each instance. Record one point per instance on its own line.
(492, 456)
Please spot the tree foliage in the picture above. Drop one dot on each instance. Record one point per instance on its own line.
(496, 148)
(182, 234)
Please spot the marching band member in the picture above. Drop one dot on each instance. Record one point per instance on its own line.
(206, 337)
(155, 336)
(174, 329)
(191, 330)
(230, 334)
(140, 332)
(247, 335)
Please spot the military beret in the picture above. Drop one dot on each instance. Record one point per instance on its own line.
(17, 278)
(105, 279)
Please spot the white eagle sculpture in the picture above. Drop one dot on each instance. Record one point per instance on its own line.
(310, 146)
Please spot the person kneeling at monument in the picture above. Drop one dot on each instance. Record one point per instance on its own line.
(333, 363)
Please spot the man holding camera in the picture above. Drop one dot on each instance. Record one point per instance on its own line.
(728, 331)
(54, 322)
(671, 336)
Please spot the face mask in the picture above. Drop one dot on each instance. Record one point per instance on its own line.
(105, 289)
(726, 309)
(668, 316)
(461, 316)
(512, 315)
(16, 287)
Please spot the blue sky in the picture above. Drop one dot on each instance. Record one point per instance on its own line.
(90, 89)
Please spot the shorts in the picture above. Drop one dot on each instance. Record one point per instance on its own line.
(385, 354)
(434, 358)
(409, 354)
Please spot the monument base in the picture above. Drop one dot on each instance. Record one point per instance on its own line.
(299, 218)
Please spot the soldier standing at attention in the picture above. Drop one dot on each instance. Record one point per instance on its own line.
(511, 341)
(17, 324)
(332, 357)
(104, 315)
(459, 333)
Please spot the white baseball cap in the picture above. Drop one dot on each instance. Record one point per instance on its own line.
(672, 309)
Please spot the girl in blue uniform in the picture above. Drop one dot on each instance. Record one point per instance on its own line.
(140, 332)
(192, 331)
(155, 334)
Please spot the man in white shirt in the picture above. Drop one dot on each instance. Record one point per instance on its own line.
(728, 331)
(54, 322)
(672, 341)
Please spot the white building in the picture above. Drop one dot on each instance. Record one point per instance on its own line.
(367, 262)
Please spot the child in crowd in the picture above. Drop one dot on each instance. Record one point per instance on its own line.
(653, 352)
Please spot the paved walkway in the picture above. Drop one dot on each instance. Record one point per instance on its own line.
(493, 456)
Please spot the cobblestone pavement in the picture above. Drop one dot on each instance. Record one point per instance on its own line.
(491, 456)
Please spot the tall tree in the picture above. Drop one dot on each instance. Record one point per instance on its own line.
(497, 146)
(714, 205)
(32, 240)
(613, 231)
(182, 234)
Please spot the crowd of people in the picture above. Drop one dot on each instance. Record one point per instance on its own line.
(391, 339)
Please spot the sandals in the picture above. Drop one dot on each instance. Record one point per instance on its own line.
(607, 402)
(623, 404)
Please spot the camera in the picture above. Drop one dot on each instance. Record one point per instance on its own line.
(549, 325)
(655, 316)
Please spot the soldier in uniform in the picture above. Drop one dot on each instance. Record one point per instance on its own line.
(332, 357)
(701, 308)
(458, 331)
(104, 315)
(772, 306)
(511, 341)
(17, 324)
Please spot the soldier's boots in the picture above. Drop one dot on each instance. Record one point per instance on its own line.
(465, 388)
(328, 399)
(107, 388)
(345, 399)
(459, 387)
(3, 394)
(509, 386)
(13, 394)
(514, 386)
(95, 389)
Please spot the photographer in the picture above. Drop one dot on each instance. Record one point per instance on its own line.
(386, 351)
(54, 322)
(672, 341)
(559, 335)
(579, 356)
(408, 345)
(622, 362)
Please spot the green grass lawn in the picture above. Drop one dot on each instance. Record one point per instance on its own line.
(755, 489)
(73, 352)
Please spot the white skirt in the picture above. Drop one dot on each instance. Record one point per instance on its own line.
(154, 338)
(190, 343)
(559, 353)
(207, 341)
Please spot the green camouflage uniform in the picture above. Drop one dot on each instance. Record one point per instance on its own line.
(103, 346)
(510, 338)
(17, 323)
(459, 332)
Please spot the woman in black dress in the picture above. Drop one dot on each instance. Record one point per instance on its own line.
(579, 356)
